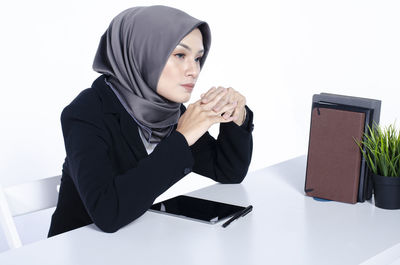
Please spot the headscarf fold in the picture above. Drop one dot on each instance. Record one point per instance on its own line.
(133, 52)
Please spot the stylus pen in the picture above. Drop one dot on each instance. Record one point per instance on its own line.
(238, 215)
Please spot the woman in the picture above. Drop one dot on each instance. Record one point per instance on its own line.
(129, 138)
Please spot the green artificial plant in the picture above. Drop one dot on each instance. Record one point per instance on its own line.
(381, 150)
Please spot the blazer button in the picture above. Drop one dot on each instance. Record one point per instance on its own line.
(187, 171)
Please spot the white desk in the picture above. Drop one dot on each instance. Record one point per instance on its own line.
(285, 227)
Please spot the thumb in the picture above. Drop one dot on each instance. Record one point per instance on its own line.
(221, 119)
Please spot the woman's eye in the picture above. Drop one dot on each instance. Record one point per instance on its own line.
(180, 55)
(198, 59)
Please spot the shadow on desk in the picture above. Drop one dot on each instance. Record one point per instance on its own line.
(294, 175)
(236, 194)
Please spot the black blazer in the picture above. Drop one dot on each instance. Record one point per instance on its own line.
(109, 179)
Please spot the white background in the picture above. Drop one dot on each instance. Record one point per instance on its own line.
(277, 53)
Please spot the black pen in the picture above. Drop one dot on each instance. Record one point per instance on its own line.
(237, 215)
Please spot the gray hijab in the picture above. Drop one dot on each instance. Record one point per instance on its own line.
(133, 52)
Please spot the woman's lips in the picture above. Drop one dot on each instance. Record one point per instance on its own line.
(188, 87)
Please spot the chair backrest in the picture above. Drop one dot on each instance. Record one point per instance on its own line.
(23, 199)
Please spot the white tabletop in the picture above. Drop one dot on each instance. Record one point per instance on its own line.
(285, 227)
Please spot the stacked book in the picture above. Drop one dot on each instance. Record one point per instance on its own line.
(336, 169)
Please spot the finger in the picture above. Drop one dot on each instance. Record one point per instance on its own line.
(220, 119)
(231, 113)
(227, 114)
(207, 98)
(221, 103)
(198, 102)
(209, 105)
(238, 110)
(220, 93)
(211, 90)
(208, 92)
(225, 100)
(227, 110)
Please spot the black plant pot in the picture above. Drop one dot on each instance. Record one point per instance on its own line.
(386, 191)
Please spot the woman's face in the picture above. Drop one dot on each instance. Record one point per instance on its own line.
(182, 69)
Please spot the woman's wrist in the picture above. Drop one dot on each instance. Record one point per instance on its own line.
(243, 118)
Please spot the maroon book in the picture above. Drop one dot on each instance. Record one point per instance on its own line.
(334, 159)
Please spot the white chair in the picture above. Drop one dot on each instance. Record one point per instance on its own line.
(23, 199)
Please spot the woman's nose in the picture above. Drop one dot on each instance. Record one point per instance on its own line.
(192, 69)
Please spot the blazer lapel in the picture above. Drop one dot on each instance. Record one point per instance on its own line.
(128, 126)
(130, 131)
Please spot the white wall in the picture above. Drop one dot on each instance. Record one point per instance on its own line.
(277, 53)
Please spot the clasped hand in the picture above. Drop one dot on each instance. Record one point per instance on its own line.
(217, 105)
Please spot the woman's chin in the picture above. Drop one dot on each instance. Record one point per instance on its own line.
(184, 98)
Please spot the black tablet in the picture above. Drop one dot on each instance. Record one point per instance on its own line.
(196, 209)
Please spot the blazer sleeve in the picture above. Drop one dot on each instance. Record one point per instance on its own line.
(227, 158)
(114, 200)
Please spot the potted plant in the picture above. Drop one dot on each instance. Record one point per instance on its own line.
(381, 150)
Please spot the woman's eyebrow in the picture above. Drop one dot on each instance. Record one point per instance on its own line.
(188, 48)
